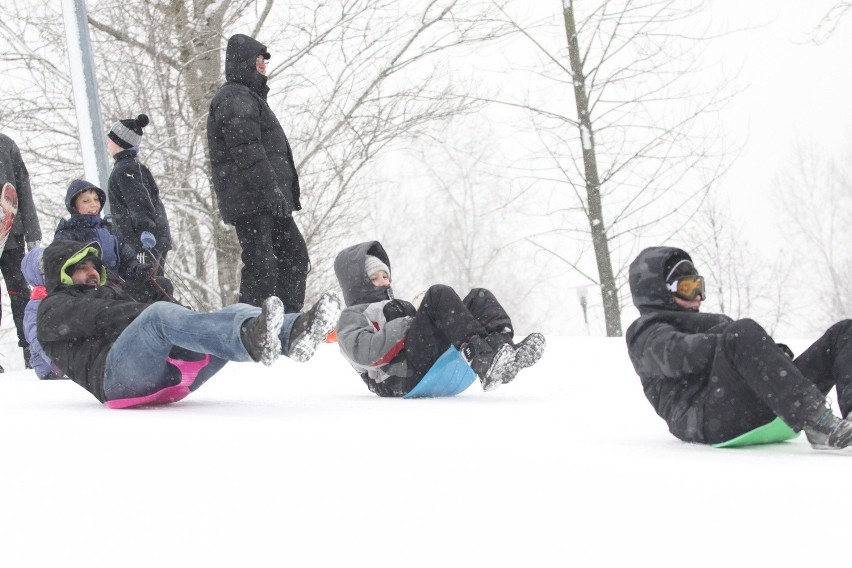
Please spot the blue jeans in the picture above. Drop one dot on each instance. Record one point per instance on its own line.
(136, 364)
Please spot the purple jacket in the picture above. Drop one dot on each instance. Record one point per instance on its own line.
(40, 362)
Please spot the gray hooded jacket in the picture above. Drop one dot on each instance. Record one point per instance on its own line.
(366, 339)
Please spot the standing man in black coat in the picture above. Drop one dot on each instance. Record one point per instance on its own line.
(255, 180)
(712, 378)
(26, 230)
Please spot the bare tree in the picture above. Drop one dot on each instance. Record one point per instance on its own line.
(829, 22)
(638, 155)
(350, 79)
(815, 196)
(740, 282)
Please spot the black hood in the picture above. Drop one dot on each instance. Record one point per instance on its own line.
(77, 187)
(241, 63)
(352, 274)
(60, 254)
(648, 278)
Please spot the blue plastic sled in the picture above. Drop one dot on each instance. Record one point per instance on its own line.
(449, 376)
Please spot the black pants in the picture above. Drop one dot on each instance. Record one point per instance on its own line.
(16, 285)
(275, 260)
(752, 381)
(444, 319)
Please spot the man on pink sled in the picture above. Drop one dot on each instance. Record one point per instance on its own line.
(128, 353)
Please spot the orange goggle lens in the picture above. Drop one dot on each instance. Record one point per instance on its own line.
(688, 287)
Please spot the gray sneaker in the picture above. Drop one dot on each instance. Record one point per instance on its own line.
(312, 327)
(530, 350)
(829, 432)
(260, 334)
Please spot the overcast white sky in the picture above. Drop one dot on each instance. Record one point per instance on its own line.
(796, 93)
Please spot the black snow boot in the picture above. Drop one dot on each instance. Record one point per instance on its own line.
(494, 365)
(26, 350)
(260, 334)
(828, 432)
(311, 328)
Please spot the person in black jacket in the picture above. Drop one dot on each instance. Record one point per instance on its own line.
(255, 180)
(712, 378)
(117, 348)
(134, 197)
(25, 230)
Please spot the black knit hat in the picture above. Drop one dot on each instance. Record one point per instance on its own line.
(128, 132)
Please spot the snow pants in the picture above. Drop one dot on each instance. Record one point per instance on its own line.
(136, 365)
(752, 381)
(444, 319)
(275, 260)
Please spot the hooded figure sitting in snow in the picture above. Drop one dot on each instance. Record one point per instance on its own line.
(392, 345)
(118, 348)
(713, 379)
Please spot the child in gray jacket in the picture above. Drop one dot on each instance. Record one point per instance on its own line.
(392, 345)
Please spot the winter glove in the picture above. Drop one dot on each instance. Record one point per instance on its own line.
(143, 271)
(148, 240)
(398, 309)
(786, 350)
(278, 204)
(32, 244)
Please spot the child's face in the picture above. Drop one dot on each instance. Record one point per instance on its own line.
(380, 278)
(88, 202)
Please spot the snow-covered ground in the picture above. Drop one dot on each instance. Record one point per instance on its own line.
(299, 465)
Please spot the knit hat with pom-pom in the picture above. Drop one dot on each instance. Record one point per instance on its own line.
(128, 132)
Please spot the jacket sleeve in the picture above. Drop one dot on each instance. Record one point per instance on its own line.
(131, 207)
(664, 352)
(93, 317)
(364, 345)
(241, 129)
(26, 207)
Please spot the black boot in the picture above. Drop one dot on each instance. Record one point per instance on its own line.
(828, 432)
(260, 334)
(494, 365)
(312, 327)
(26, 350)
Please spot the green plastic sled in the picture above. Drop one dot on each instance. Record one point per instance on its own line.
(775, 431)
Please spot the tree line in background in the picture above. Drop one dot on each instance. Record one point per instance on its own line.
(498, 143)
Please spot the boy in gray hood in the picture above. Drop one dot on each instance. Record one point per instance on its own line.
(392, 345)
(712, 378)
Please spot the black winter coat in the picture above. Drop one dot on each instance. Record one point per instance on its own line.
(135, 204)
(78, 324)
(250, 155)
(13, 170)
(671, 348)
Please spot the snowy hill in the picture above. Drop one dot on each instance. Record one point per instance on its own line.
(299, 465)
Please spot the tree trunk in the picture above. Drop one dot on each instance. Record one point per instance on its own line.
(609, 289)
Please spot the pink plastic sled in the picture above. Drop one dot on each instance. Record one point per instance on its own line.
(189, 371)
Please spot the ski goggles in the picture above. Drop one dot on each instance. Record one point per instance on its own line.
(688, 287)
